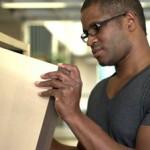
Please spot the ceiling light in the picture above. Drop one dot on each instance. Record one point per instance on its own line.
(38, 5)
(145, 4)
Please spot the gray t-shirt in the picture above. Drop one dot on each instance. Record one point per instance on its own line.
(121, 116)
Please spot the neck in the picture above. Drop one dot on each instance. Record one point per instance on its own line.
(137, 60)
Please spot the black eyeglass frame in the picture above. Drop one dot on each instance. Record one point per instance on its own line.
(96, 27)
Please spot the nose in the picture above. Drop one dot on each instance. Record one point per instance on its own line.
(91, 40)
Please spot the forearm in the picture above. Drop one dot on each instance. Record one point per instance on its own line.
(91, 135)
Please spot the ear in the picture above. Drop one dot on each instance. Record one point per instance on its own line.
(131, 21)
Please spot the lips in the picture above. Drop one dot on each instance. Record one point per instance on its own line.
(97, 51)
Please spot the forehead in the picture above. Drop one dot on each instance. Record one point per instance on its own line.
(91, 14)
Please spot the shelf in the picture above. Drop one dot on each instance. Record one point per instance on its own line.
(13, 44)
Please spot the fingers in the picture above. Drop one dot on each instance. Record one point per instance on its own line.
(74, 71)
(50, 83)
(53, 75)
(49, 92)
(63, 70)
(67, 76)
(59, 75)
(65, 73)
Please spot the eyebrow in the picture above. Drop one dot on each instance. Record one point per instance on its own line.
(103, 21)
(92, 24)
(111, 18)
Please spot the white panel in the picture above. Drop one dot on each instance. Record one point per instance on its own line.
(22, 111)
(148, 30)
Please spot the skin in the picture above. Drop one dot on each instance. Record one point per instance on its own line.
(124, 51)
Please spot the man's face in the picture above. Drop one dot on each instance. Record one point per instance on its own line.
(109, 45)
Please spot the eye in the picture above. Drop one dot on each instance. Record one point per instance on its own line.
(97, 26)
(84, 36)
(94, 29)
(85, 33)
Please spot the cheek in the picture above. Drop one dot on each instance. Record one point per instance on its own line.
(115, 40)
(113, 46)
(119, 47)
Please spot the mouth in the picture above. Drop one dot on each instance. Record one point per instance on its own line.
(97, 51)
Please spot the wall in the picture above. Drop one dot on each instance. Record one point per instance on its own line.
(12, 28)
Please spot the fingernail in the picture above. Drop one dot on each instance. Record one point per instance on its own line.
(37, 82)
(42, 75)
(40, 93)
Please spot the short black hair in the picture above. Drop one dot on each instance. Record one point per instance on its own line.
(119, 6)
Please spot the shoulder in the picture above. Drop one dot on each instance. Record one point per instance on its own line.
(101, 85)
(143, 134)
(146, 87)
(98, 93)
(145, 96)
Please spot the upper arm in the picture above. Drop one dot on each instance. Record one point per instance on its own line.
(143, 138)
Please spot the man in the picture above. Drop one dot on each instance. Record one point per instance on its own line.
(118, 114)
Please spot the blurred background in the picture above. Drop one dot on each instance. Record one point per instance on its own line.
(53, 29)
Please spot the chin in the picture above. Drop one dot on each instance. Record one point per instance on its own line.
(105, 63)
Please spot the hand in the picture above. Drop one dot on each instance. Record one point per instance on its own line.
(65, 85)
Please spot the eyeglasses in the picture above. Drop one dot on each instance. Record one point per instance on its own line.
(95, 28)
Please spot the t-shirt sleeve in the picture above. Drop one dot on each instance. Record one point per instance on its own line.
(146, 104)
